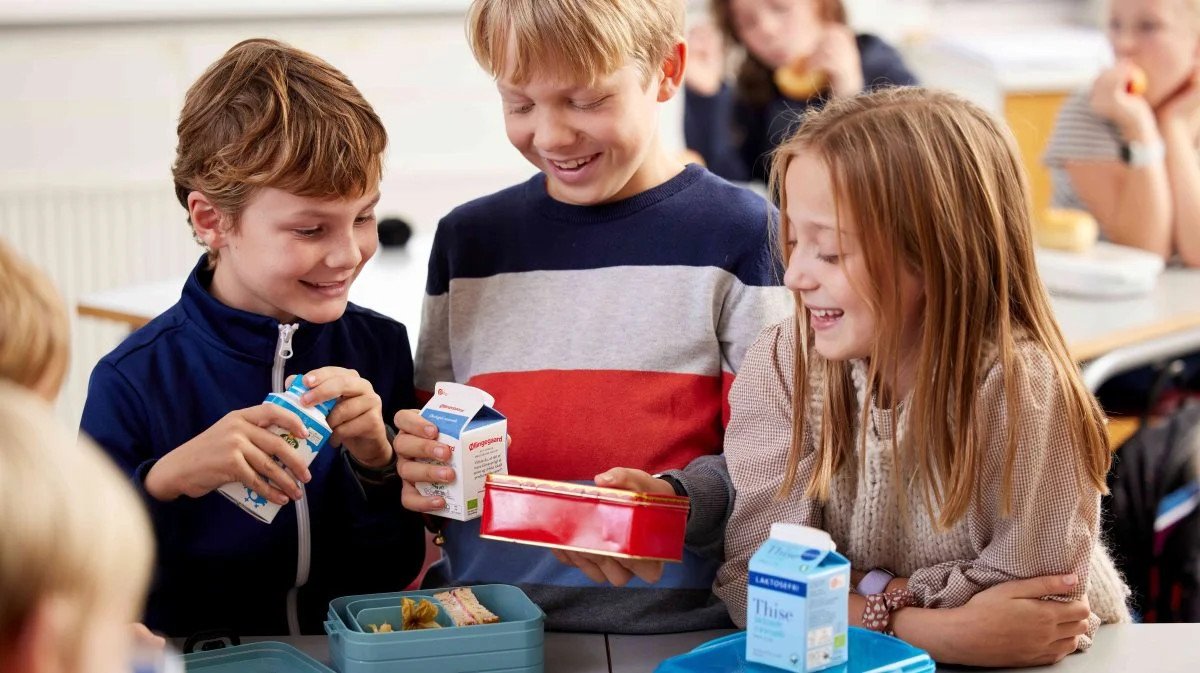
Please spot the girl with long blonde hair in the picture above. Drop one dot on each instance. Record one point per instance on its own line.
(921, 406)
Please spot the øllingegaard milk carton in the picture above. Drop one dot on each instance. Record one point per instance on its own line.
(477, 436)
(796, 603)
(307, 447)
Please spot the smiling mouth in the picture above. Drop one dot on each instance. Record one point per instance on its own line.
(331, 287)
(573, 164)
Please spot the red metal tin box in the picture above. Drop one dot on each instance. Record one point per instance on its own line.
(586, 518)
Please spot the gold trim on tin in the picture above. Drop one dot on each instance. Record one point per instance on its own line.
(579, 549)
(617, 495)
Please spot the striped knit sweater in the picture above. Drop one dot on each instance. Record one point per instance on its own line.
(609, 335)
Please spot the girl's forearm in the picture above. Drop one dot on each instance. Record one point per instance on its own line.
(1183, 172)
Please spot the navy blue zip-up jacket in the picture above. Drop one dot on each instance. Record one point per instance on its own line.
(219, 567)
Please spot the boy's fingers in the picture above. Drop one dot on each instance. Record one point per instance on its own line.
(267, 414)
(413, 501)
(415, 448)
(353, 408)
(266, 467)
(414, 472)
(270, 444)
(410, 422)
(316, 376)
(258, 482)
(332, 389)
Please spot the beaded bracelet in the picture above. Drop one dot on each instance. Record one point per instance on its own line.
(877, 616)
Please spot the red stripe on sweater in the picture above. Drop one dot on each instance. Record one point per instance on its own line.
(575, 424)
(726, 383)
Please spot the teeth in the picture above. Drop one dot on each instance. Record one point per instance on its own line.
(572, 164)
(826, 313)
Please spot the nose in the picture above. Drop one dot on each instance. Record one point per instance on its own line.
(552, 133)
(1124, 42)
(798, 276)
(767, 27)
(345, 251)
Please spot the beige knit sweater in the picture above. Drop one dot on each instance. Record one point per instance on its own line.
(1054, 522)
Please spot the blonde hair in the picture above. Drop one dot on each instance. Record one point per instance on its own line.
(35, 333)
(937, 188)
(269, 115)
(572, 40)
(71, 527)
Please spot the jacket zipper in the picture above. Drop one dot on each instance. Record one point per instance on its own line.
(283, 351)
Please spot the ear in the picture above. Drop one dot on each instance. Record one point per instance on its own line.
(208, 222)
(36, 648)
(672, 71)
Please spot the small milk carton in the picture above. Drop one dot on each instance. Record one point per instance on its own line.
(796, 603)
(477, 436)
(308, 446)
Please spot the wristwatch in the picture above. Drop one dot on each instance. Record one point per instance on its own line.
(1136, 154)
(875, 582)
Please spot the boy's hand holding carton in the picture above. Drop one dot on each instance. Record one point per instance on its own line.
(357, 420)
(446, 451)
(237, 448)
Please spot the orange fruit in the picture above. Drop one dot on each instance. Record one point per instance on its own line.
(1137, 82)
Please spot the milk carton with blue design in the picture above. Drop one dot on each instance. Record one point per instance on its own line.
(796, 603)
(308, 447)
(477, 435)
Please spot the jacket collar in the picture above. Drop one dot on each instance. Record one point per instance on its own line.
(251, 335)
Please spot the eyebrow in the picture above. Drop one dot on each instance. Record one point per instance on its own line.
(320, 212)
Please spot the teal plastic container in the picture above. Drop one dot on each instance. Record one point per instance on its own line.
(870, 652)
(512, 645)
(263, 657)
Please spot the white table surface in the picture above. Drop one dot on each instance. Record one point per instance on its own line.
(1176, 296)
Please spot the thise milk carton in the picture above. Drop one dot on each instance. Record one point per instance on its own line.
(477, 436)
(796, 603)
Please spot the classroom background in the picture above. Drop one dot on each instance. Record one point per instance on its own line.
(92, 90)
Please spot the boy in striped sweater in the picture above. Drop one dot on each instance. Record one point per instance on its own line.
(606, 302)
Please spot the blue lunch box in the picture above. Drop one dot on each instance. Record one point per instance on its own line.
(870, 652)
(263, 657)
(512, 645)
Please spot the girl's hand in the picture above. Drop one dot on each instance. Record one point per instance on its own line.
(619, 571)
(706, 59)
(628, 479)
(1182, 108)
(1111, 99)
(837, 56)
(1013, 624)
